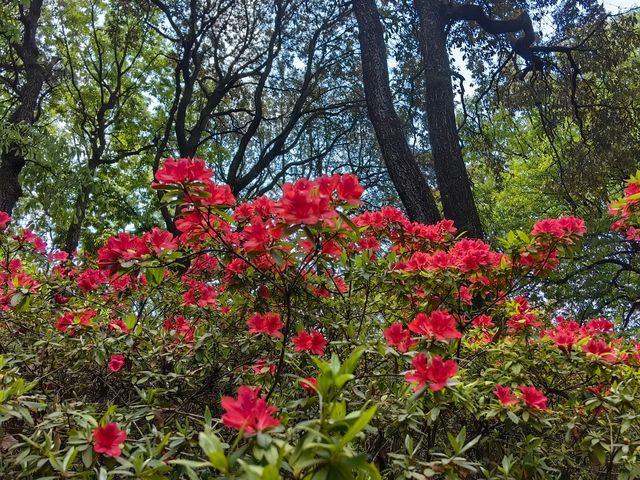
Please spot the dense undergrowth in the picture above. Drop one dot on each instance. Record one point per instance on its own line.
(291, 338)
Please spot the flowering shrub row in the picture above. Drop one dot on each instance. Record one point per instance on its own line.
(289, 338)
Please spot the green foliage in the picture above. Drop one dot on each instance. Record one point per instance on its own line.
(177, 312)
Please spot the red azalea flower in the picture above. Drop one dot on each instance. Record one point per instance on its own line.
(58, 257)
(199, 294)
(182, 327)
(248, 412)
(234, 267)
(89, 280)
(108, 439)
(303, 202)
(524, 319)
(217, 195)
(437, 373)
(565, 334)
(21, 280)
(600, 349)
(398, 337)
(482, 321)
(598, 325)
(505, 396)
(121, 249)
(258, 235)
(75, 319)
(39, 245)
(85, 317)
(596, 390)
(440, 325)
(349, 189)
(116, 363)
(183, 170)
(312, 343)
(573, 225)
(533, 397)
(548, 226)
(65, 321)
(563, 339)
(633, 233)
(118, 325)
(309, 384)
(60, 299)
(560, 227)
(160, 240)
(263, 366)
(269, 323)
(5, 219)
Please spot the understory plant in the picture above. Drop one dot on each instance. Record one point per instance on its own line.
(301, 337)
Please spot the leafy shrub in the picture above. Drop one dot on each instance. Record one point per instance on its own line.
(290, 338)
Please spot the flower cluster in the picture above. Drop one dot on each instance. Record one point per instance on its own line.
(591, 336)
(437, 373)
(248, 412)
(627, 209)
(531, 396)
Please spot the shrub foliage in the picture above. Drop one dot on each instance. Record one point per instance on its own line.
(300, 337)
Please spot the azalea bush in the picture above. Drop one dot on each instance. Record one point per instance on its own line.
(627, 209)
(300, 337)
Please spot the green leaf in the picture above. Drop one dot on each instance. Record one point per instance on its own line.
(270, 472)
(212, 447)
(69, 458)
(362, 421)
(189, 463)
(155, 275)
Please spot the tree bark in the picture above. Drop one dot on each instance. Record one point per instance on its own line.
(72, 239)
(451, 173)
(408, 179)
(10, 190)
(13, 159)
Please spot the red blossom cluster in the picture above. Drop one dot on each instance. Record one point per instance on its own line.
(123, 250)
(440, 325)
(312, 342)
(5, 220)
(181, 328)
(627, 209)
(531, 396)
(563, 229)
(524, 318)
(437, 373)
(248, 412)
(72, 321)
(398, 337)
(568, 333)
(269, 324)
(116, 362)
(549, 235)
(108, 439)
(262, 367)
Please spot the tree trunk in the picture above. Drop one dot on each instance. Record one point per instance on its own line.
(451, 173)
(10, 189)
(72, 239)
(410, 183)
(13, 160)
